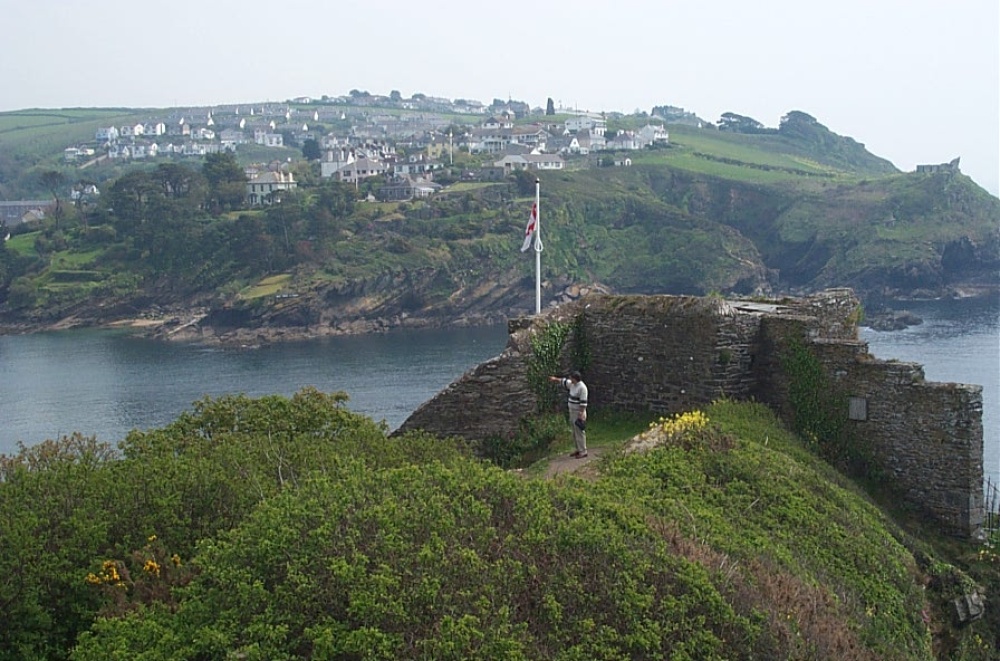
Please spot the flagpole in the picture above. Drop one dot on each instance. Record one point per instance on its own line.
(538, 248)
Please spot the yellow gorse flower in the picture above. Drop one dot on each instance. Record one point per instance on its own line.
(681, 423)
(108, 574)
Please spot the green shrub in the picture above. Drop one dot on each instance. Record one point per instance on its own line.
(533, 441)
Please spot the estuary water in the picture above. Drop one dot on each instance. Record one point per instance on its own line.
(106, 383)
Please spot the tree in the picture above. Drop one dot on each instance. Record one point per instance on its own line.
(181, 182)
(130, 198)
(550, 107)
(525, 182)
(730, 121)
(311, 150)
(221, 168)
(53, 180)
(226, 181)
(395, 96)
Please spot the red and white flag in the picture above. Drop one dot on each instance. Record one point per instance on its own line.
(529, 231)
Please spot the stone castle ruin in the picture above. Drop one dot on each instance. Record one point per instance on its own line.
(951, 167)
(668, 354)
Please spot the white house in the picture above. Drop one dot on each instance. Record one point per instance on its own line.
(503, 122)
(652, 134)
(232, 137)
(333, 160)
(530, 162)
(590, 142)
(361, 168)
(596, 125)
(416, 164)
(262, 188)
(119, 151)
(564, 144)
(268, 139)
(132, 130)
(105, 135)
(624, 140)
(408, 188)
(531, 135)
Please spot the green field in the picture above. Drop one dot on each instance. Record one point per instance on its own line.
(268, 286)
(24, 244)
(755, 158)
(45, 133)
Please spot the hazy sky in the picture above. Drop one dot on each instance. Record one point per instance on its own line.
(916, 81)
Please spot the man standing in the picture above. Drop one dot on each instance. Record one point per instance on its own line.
(577, 410)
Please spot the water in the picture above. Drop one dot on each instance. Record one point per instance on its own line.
(107, 383)
(958, 342)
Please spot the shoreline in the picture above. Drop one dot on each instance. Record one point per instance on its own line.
(185, 328)
(183, 325)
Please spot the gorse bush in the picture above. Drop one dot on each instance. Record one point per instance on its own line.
(533, 440)
(436, 562)
(288, 528)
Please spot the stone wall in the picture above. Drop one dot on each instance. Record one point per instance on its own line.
(926, 437)
(668, 354)
(488, 400)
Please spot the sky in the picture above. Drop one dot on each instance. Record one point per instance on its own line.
(915, 81)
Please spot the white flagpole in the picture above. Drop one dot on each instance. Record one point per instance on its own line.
(538, 248)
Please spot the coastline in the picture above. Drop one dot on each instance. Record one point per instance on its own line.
(186, 327)
(181, 324)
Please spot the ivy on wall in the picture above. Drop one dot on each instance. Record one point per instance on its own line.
(809, 393)
(548, 346)
(544, 361)
(581, 346)
(819, 411)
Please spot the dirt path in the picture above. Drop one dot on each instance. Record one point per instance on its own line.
(564, 463)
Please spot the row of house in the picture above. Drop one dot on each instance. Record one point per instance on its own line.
(141, 140)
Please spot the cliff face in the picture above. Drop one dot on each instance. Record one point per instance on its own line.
(923, 235)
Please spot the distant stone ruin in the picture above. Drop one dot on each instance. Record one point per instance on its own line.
(950, 168)
(668, 354)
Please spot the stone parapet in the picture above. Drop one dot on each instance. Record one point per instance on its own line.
(667, 354)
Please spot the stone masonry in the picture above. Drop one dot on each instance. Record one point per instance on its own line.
(668, 354)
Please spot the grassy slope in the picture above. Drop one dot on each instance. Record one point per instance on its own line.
(827, 570)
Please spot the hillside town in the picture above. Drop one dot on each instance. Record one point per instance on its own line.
(401, 143)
